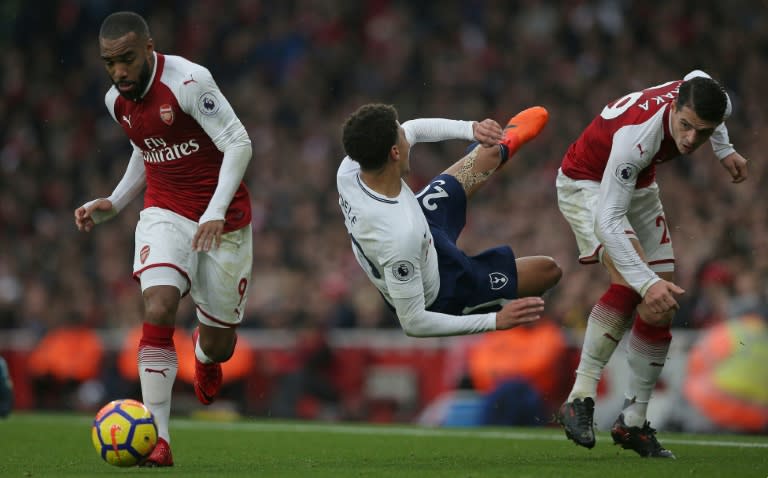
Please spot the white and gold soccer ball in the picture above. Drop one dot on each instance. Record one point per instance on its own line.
(124, 432)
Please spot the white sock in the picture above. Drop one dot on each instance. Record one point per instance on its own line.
(157, 372)
(605, 328)
(200, 354)
(646, 355)
(635, 413)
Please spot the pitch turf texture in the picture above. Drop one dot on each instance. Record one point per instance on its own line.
(39, 445)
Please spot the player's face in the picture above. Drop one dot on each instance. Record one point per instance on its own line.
(128, 61)
(688, 130)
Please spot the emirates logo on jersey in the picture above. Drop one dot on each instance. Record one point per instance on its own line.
(166, 114)
(143, 254)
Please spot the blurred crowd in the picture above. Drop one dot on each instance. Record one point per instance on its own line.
(295, 69)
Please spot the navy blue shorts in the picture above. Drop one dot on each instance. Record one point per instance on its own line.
(467, 284)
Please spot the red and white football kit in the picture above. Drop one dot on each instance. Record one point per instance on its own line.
(191, 151)
(607, 189)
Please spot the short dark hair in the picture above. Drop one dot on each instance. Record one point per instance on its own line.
(705, 96)
(369, 134)
(119, 24)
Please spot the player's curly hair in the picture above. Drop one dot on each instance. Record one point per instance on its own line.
(119, 24)
(705, 96)
(369, 134)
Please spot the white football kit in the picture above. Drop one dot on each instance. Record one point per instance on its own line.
(392, 241)
(190, 151)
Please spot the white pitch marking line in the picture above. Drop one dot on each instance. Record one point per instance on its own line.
(433, 432)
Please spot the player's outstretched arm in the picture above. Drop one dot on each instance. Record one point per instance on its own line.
(102, 209)
(736, 165)
(519, 311)
(92, 213)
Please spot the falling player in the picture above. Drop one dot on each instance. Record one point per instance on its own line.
(406, 243)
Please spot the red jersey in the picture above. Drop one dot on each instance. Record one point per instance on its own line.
(647, 114)
(181, 126)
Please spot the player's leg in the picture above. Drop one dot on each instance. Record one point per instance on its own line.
(647, 349)
(536, 275)
(480, 162)
(646, 354)
(609, 318)
(162, 255)
(158, 362)
(224, 275)
(606, 324)
(650, 336)
(474, 169)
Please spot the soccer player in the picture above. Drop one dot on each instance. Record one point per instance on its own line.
(607, 192)
(194, 233)
(406, 242)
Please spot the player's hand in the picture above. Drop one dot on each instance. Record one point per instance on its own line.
(208, 236)
(84, 215)
(518, 312)
(660, 297)
(736, 165)
(487, 132)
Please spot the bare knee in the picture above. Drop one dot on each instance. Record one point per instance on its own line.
(161, 304)
(217, 343)
(654, 319)
(536, 275)
(551, 271)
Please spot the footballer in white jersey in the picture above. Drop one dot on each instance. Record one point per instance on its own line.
(406, 243)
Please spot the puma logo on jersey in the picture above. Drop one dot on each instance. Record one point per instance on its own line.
(153, 370)
(127, 119)
(190, 80)
(641, 149)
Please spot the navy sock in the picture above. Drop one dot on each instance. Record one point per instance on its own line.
(504, 153)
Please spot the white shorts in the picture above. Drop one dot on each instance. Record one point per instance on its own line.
(216, 280)
(644, 221)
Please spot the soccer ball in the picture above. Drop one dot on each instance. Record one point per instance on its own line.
(124, 432)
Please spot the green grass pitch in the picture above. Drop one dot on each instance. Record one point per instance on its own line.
(50, 445)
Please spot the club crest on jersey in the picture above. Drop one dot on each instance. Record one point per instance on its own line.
(208, 103)
(498, 280)
(626, 173)
(403, 271)
(166, 114)
(144, 253)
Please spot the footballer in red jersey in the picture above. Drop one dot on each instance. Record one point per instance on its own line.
(607, 191)
(190, 152)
